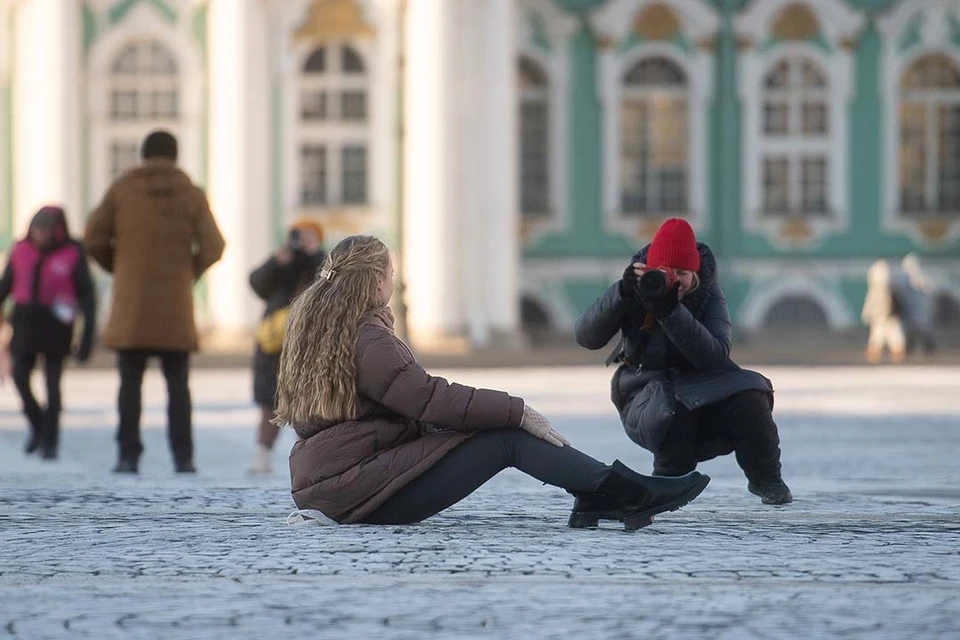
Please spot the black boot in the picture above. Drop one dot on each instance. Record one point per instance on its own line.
(33, 442)
(184, 466)
(126, 465)
(633, 499)
(771, 492)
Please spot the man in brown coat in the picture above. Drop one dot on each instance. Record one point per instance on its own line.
(155, 233)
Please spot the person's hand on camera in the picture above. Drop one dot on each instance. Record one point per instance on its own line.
(537, 425)
(663, 304)
(284, 255)
(628, 282)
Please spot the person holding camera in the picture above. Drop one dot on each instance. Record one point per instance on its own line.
(679, 394)
(277, 282)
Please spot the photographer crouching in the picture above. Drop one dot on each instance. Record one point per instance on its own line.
(277, 282)
(678, 393)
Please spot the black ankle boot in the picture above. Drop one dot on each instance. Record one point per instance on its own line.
(33, 443)
(126, 465)
(771, 492)
(633, 499)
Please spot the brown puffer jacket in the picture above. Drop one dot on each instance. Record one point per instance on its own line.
(407, 420)
(154, 232)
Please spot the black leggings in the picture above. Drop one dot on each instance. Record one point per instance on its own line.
(472, 463)
(44, 422)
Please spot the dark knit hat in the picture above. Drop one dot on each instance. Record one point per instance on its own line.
(674, 245)
(159, 144)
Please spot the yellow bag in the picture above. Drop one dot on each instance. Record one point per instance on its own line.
(271, 330)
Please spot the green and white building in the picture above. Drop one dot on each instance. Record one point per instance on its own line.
(514, 153)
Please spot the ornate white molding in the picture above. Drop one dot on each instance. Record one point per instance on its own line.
(935, 38)
(556, 63)
(616, 19)
(837, 24)
(764, 294)
(144, 23)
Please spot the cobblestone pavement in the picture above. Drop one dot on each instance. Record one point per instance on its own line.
(869, 549)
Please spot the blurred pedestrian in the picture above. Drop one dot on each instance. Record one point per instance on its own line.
(881, 313)
(679, 394)
(384, 442)
(154, 232)
(49, 279)
(913, 293)
(277, 281)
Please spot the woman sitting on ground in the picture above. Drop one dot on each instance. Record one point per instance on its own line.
(383, 442)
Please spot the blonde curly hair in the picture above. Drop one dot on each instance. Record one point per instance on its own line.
(318, 370)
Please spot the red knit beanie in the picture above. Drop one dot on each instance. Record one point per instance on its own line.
(674, 245)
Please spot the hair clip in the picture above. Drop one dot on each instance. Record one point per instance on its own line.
(327, 274)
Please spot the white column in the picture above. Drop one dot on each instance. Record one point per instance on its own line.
(239, 185)
(46, 108)
(431, 252)
(500, 207)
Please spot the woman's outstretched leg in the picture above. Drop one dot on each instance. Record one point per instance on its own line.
(467, 467)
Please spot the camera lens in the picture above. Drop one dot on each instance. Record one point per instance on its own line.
(653, 283)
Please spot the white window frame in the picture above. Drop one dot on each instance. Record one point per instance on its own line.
(334, 133)
(143, 23)
(555, 64)
(698, 21)
(934, 39)
(837, 24)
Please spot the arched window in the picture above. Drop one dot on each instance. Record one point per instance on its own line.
(654, 178)
(795, 143)
(534, 139)
(930, 138)
(334, 130)
(143, 94)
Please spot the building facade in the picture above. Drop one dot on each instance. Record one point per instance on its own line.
(513, 153)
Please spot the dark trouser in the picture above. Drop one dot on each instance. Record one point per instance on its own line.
(176, 370)
(742, 423)
(464, 469)
(44, 423)
(267, 433)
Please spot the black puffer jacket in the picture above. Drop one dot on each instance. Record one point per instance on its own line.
(685, 358)
(277, 285)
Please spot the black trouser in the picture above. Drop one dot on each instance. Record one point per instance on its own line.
(44, 423)
(464, 469)
(742, 423)
(176, 370)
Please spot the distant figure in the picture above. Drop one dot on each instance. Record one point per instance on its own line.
(154, 232)
(49, 279)
(913, 296)
(882, 316)
(277, 281)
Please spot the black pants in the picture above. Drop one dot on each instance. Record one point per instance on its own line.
(472, 463)
(176, 370)
(44, 422)
(742, 423)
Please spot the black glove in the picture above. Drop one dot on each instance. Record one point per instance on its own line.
(628, 283)
(662, 305)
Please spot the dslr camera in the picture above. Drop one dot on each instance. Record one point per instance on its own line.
(655, 283)
(295, 240)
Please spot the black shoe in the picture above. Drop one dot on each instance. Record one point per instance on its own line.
(774, 492)
(49, 453)
(33, 443)
(633, 499)
(126, 465)
(184, 466)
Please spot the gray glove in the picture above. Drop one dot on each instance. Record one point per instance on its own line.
(536, 424)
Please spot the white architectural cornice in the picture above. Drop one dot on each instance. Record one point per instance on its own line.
(616, 19)
(893, 24)
(837, 20)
